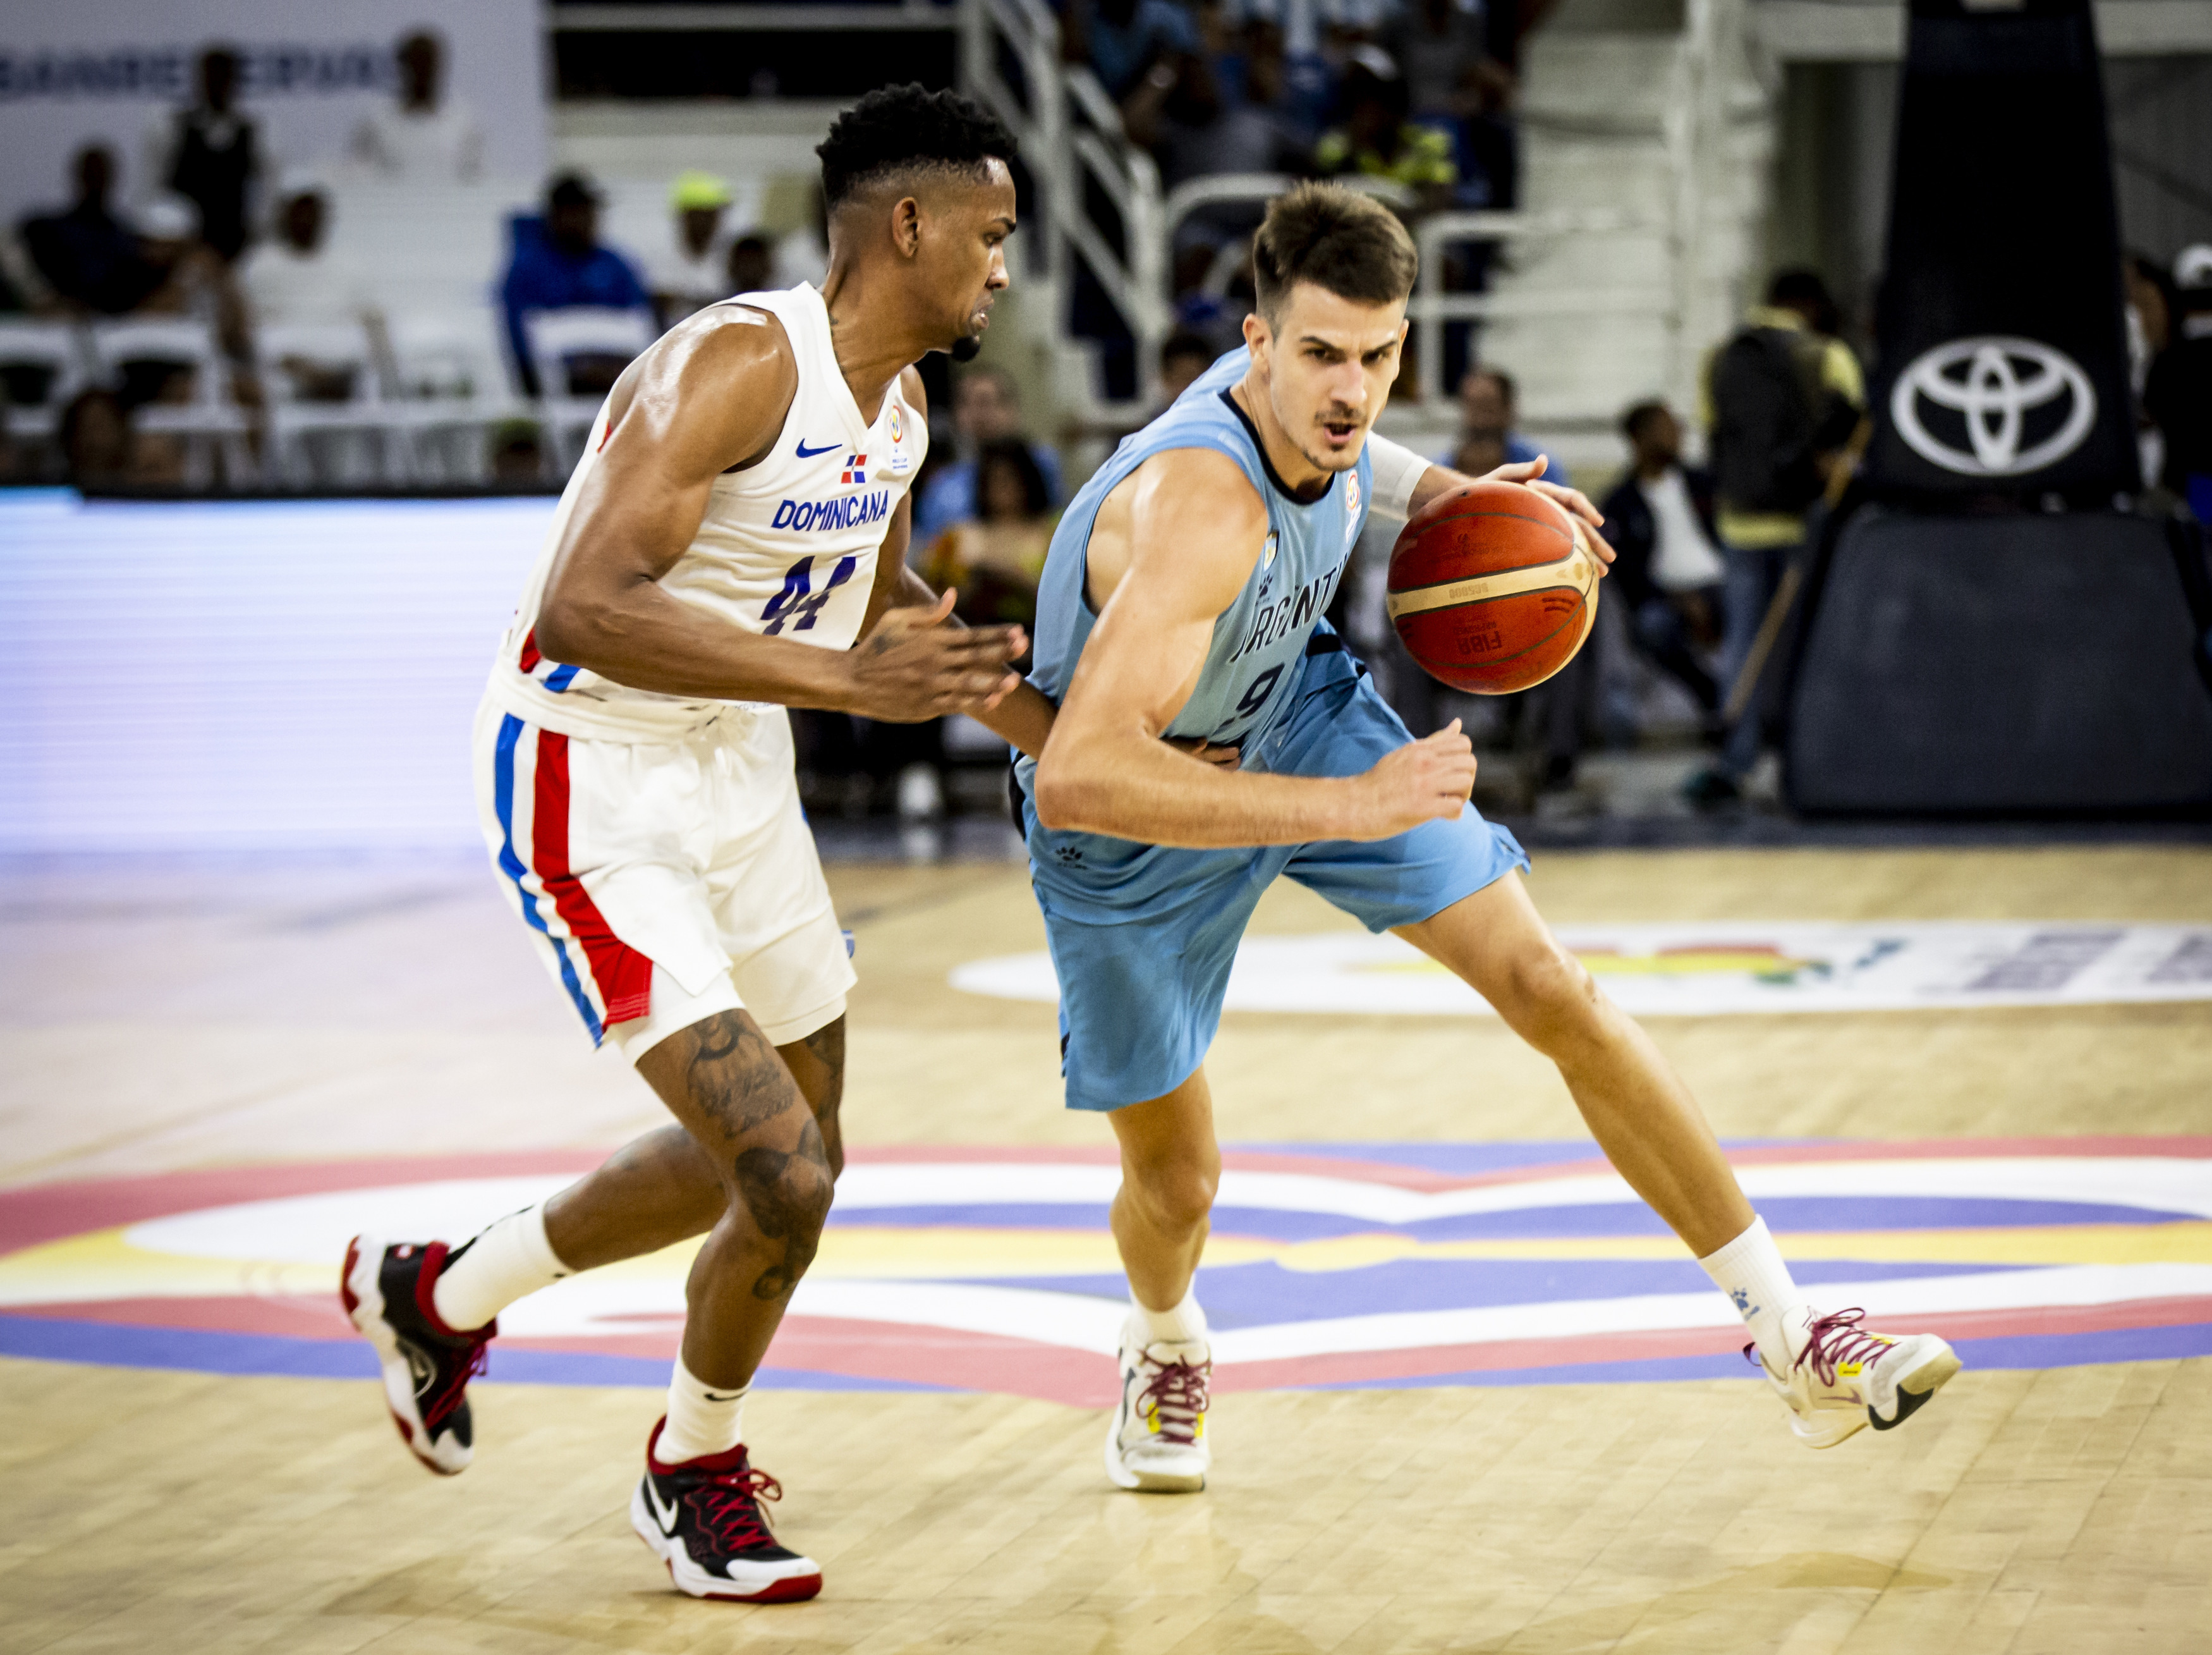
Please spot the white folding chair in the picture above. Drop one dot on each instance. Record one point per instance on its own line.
(557, 337)
(332, 442)
(45, 368)
(210, 419)
(446, 388)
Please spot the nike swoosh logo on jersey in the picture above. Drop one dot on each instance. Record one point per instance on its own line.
(805, 453)
(664, 1515)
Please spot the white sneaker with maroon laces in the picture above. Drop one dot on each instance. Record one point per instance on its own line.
(704, 1519)
(1157, 1441)
(1846, 1377)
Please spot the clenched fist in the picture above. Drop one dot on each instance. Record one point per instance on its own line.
(1422, 781)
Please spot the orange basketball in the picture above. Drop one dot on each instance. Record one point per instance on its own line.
(1491, 589)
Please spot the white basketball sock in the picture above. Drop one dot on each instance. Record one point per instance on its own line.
(505, 1260)
(703, 1420)
(1750, 1271)
(1182, 1325)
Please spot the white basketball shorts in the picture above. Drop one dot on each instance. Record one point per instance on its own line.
(665, 881)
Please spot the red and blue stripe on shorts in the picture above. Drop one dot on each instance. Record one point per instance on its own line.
(615, 983)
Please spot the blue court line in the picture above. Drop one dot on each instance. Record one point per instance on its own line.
(197, 1350)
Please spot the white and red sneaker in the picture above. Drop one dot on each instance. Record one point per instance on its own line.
(1846, 1377)
(387, 1289)
(1157, 1441)
(704, 1518)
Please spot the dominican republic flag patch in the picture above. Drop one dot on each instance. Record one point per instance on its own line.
(856, 469)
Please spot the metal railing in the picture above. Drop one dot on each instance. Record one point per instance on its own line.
(1072, 145)
(1432, 308)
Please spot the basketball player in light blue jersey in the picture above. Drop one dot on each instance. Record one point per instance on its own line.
(1212, 733)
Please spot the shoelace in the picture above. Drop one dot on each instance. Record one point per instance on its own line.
(1835, 1339)
(448, 1397)
(1830, 1340)
(729, 1505)
(1181, 1386)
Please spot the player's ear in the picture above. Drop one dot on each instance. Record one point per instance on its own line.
(906, 226)
(1257, 334)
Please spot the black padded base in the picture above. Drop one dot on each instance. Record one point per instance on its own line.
(2015, 664)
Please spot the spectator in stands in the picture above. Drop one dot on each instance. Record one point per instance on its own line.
(196, 282)
(1668, 573)
(422, 138)
(1182, 359)
(1375, 139)
(751, 264)
(2147, 289)
(1178, 111)
(211, 154)
(996, 557)
(2178, 390)
(95, 441)
(689, 272)
(803, 255)
(1122, 40)
(1781, 401)
(91, 260)
(986, 409)
(560, 262)
(1489, 408)
(294, 275)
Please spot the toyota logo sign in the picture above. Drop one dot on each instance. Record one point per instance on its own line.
(2001, 407)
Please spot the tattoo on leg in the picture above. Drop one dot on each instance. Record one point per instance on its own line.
(785, 1207)
(736, 1075)
(826, 1045)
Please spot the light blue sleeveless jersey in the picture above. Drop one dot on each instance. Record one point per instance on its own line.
(1246, 687)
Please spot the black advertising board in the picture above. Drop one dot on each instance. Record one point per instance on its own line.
(2001, 344)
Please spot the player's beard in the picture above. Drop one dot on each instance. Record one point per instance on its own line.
(966, 348)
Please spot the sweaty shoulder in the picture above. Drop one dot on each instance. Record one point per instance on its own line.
(1185, 516)
(711, 394)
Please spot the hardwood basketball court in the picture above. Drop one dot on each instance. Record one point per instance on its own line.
(232, 1023)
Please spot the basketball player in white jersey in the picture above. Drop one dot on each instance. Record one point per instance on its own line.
(733, 544)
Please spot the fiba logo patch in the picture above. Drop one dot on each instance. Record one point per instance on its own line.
(1993, 405)
(1351, 497)
(894, 426)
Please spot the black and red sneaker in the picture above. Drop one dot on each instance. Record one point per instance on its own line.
(387, 1289)
(703, 1519)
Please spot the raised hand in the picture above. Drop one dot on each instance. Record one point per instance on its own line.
(913, 667)
(1422, 781)
(1529, 474)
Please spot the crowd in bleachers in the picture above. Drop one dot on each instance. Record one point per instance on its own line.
(1415, 96)
(202, 312)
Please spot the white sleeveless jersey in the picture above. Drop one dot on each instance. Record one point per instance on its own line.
(787, 547)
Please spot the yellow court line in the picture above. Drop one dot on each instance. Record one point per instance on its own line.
(104, 1266)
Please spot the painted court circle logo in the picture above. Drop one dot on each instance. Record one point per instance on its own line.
(1718, 968)
(993, 1269)
(1993, 405)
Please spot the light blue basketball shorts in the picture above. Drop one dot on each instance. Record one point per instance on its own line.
(1143, 936)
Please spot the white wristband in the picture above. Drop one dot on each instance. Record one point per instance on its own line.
(1396, 472)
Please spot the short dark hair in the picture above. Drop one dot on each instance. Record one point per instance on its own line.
(1506, 387)
(1799, 288)
(896, 129)
(1633, 421)
(1347, 243)
(571, 190)
(1013, 455)
(1184, 343)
